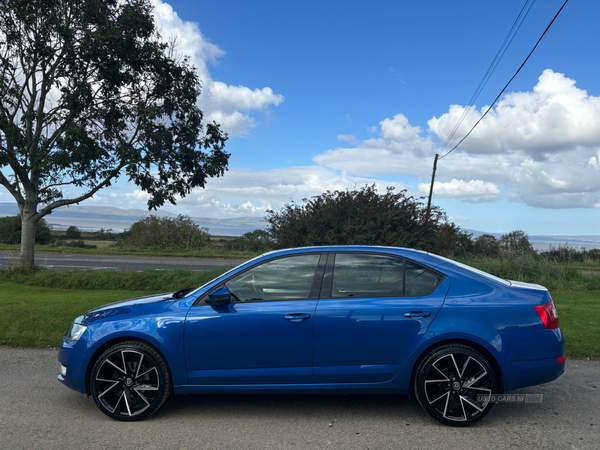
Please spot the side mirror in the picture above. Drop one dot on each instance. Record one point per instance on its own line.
(219, 296)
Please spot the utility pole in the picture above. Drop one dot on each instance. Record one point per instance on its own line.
(431, 186)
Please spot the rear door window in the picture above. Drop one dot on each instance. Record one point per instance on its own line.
(369, 275)
(364, 275)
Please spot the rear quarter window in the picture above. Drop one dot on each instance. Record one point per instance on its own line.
(420, 280)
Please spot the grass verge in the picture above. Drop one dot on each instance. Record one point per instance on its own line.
(145, 280)
(33, 316)
(579, 318)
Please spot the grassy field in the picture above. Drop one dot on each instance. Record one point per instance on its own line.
(102, 280)
(579, 318)
(33, 316)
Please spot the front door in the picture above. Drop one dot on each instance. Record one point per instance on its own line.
(264, 335)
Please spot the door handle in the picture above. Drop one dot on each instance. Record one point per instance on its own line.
(297, 317)
(417, 314)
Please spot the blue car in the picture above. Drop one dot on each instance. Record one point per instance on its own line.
(338, 319)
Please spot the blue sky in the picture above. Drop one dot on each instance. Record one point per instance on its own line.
(319, 95)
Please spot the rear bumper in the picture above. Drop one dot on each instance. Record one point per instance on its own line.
(548, 346)
(531, 373)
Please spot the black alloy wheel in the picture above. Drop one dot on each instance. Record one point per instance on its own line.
(454, 384)
(130, 381)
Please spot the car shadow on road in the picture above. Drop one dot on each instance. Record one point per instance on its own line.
(290, 407)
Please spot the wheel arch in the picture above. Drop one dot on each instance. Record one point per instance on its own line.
(466, 342)
(114, 341)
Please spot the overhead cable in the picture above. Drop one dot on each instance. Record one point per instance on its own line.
(507, 41)
(507, 84)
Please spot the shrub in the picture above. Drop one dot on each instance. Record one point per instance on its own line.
(77, 244)
(10, 231)
(593, 254)
(464, 244)
(254, 241)
(105, 235)
(73, 232)
(517, 243)
(564, 253)
(487, 246)
(165, 232)
(362, 217)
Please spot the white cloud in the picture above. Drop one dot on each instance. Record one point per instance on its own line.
(348, 138)
(400, 150)
(554, 117)
(246, 192)
(542, 147)
(458, 218)
(594, 161)
(230, 106)
(474, 190)
(398, 129)
(139, 195)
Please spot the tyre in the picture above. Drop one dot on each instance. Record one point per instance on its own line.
(130, 381)
(453, 384)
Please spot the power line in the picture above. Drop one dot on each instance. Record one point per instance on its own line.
(507, 41)
(510, 81)
(437, 155)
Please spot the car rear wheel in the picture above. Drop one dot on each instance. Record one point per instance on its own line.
(453, 384)
(130, 381)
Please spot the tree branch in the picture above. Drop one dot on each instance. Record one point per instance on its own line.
(70, 201)
(14, 192)
(47, 82)
(49, 186)
(16, 166)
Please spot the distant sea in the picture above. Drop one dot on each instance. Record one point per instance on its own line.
(546, 245)
(59, 223)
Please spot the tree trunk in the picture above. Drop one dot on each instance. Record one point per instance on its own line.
(28, 225)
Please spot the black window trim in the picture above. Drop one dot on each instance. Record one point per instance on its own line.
(328, 275)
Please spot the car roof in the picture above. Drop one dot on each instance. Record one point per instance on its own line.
(409, 253)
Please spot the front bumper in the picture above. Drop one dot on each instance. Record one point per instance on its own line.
(73, 358)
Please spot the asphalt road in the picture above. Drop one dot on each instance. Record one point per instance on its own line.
(37, 412)
(109, 262)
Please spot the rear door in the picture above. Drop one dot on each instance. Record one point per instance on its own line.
(374, 309)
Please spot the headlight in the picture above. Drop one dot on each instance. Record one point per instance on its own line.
(75, 332)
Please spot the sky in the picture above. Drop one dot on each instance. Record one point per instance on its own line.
(337, 94)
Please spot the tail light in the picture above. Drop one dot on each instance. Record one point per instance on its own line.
(548, 314)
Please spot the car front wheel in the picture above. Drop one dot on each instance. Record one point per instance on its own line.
(130, 381)
(454, 383)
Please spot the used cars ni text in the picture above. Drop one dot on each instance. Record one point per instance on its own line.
(338, 319)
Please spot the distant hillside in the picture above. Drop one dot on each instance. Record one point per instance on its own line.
(94, 217)
(99, 213)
